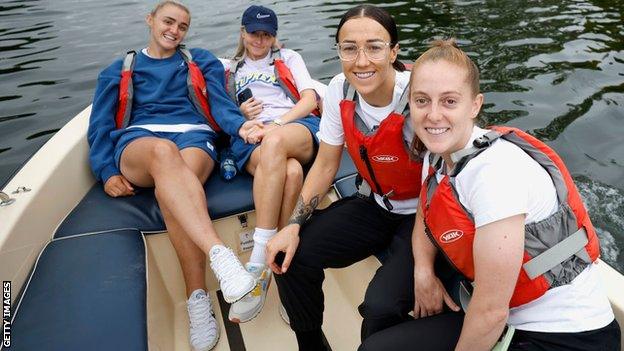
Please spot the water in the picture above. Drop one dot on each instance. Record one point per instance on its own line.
(554, 68)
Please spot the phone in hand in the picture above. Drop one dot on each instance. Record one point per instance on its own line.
(244, 95)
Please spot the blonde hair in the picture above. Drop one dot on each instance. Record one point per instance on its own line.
(449, 51)
(175, 3)
(240, 49)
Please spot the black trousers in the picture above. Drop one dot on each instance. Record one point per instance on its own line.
(441, 332)
(346, 232)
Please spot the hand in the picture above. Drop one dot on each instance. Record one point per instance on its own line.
(258, 134)
(287, 241)
(251, 108)
(429, 295)
(118, 185)
(247, 129)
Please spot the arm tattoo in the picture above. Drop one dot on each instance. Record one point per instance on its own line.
(303, 211)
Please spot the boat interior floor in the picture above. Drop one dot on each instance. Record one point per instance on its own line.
(168, 325)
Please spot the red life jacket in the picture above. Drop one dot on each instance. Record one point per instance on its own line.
(556, 249)
(381, 155)
(282, 74)
(195, 82)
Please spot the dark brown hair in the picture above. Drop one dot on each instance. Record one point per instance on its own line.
(380, 16)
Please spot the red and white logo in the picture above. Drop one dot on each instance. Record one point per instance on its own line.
(451, 235)
(385, 158)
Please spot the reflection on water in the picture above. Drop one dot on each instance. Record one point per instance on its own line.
(553, 68)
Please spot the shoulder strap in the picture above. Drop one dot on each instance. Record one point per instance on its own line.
(480, 144)
(126, 91)
(284, 76)
(402, 107)
(349, 93)
(235, 65)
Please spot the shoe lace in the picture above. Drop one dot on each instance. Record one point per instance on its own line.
(202, 320)
(227, 267)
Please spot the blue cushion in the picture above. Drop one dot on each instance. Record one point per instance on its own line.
(86, 293)
(99, 212)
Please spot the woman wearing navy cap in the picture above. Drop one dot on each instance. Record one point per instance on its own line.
(271, 85)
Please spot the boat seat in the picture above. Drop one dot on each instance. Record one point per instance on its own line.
(86, 292)
(99, 212)
(345, 187)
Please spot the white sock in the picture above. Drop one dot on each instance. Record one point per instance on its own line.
(261, 238)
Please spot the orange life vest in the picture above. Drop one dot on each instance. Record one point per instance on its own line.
(556, 249)
(381, 155)
(282, 73)
(195, 82)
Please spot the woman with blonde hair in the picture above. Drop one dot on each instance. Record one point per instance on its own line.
(273, 86)
(147, 128)
(502, 208)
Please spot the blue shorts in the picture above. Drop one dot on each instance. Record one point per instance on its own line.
(202, 139)
(242, 151)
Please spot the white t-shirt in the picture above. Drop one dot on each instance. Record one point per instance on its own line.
(504, 181)
(332, 132)
(259, 76)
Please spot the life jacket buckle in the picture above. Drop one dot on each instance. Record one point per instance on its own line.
(482, 141)
(386, 200)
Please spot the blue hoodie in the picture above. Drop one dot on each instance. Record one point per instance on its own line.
(160, 97)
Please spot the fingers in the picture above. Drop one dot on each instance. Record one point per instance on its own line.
(271, 253)
(251, 108)
(450, 303)
(290, 252)
(127, 184)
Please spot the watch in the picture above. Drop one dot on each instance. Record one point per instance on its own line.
(278, 121)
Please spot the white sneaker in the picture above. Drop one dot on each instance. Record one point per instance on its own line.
(249, 306)
(234, 280)
(204, 330)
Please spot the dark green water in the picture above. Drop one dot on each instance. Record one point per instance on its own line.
(554, 68)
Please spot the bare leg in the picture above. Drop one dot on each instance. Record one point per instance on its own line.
(292, 189)
(268, 164)
(192, 259)
(158, 162)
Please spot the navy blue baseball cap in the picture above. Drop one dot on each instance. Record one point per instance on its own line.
(257, 18)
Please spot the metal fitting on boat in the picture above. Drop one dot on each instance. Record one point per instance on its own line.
(21, 189)
(5, 200)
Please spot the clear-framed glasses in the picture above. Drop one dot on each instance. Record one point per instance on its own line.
(375, 50)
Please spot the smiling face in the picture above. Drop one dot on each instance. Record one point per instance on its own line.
(257, 44)
(168, 27)
(443, 106)
(373, 79)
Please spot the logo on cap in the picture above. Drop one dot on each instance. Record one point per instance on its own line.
(259, 16)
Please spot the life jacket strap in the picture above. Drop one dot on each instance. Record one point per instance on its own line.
(478, 144)
(122, 118)
(549, 259)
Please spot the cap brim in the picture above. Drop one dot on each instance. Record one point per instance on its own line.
(254, 27)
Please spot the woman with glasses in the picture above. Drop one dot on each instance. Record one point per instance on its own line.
(272, 85)
(365, 108)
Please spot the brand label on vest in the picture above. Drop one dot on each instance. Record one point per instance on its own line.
(451, 235)
(385, 158)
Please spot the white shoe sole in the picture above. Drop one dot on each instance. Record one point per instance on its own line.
(231, 300)
(258, 309)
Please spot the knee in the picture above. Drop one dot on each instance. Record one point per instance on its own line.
(163, 152)
(294, 172)
(273, 145)
(378, 306)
